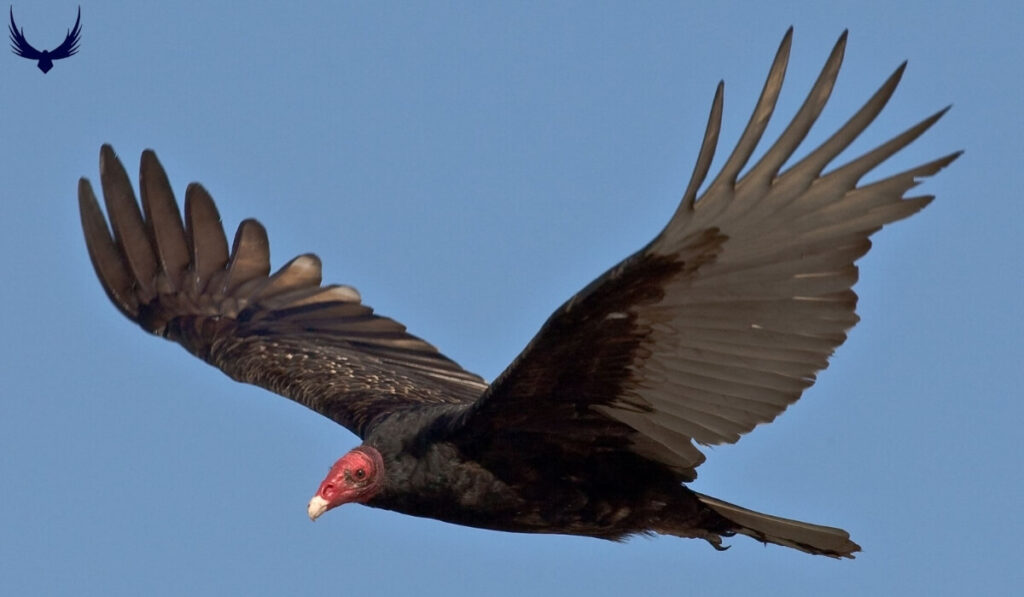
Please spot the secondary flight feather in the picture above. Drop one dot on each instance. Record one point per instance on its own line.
(714, 327)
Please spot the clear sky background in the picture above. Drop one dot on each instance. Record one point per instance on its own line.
(468, 167)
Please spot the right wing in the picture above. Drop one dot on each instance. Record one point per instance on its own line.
(317, 345)
(726, 317)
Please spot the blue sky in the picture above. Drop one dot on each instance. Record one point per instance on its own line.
(468, 167)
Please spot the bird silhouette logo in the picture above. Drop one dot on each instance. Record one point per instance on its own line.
(21, 47)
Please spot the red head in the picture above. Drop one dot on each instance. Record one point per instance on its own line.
(355, 477)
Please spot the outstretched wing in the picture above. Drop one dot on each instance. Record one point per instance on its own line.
(69, 47)
(723, 320)
(317, 345)
(20, 45)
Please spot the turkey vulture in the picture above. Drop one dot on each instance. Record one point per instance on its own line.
(68, 48)
(714, 327)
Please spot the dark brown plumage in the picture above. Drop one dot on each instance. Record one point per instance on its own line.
(714, 327)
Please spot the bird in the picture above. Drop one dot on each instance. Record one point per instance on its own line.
(67, 48)
(712, 328)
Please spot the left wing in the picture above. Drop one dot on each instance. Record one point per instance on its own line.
(724, 319)
(318, 345)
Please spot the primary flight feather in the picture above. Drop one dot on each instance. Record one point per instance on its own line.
(714, 327)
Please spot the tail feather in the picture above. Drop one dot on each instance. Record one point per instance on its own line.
(807, 537)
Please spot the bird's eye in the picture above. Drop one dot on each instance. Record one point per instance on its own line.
(360, 473)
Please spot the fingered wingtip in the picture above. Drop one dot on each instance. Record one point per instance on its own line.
(109, 162)
(86, 196)
(148, 159)
(786, 43)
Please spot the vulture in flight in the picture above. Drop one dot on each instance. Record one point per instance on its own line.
(715, 326)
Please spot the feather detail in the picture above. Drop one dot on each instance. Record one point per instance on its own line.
(175, 277)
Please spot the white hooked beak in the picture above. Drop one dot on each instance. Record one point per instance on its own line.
(317, 506)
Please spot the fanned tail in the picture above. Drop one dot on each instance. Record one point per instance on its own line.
(807, 537)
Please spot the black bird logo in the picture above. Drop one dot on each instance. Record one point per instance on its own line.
(21, 47)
